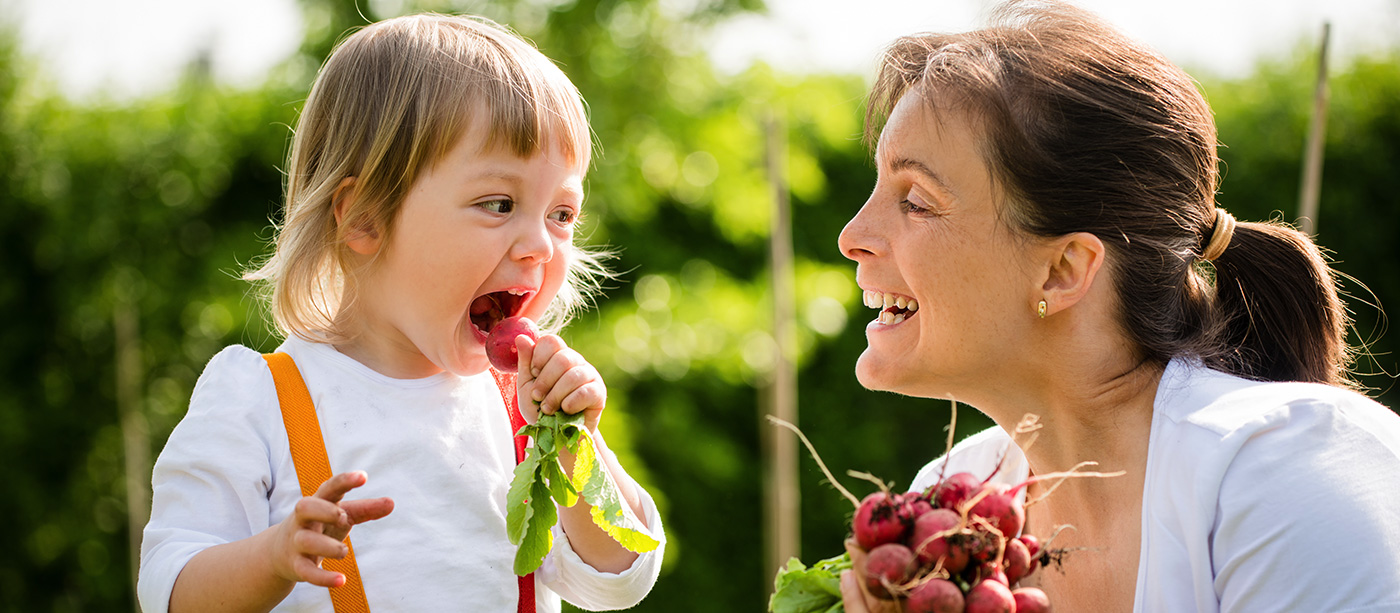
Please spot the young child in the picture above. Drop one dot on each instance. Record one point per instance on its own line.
(433, 188)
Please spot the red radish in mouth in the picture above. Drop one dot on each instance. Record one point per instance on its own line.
(500, 343)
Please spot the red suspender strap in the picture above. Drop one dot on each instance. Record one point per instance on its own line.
(313, 469)
(506, 383)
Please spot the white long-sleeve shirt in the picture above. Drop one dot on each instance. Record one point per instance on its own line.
(1259, 497)
(441, 447)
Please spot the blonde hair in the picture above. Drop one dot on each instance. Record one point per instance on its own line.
(391, 100)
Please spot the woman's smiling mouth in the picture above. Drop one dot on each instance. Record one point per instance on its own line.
(894, 308)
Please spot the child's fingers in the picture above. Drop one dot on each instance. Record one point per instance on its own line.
(579, 389)
(336, 487)
(547, 379)
(369, 509)
(315, 544)
(564, 384)
(545, 349)
(524, 379)
(309, 511)
(308, 571)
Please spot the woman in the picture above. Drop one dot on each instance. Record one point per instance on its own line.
(1045, 213)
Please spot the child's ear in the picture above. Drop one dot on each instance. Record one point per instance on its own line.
(362, 239)
(1074, 263)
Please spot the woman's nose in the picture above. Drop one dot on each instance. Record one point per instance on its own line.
(857, 241)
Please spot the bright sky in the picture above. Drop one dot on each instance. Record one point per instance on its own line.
(87, 46)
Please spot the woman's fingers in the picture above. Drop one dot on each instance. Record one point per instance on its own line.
(851, 596)
(869, 603)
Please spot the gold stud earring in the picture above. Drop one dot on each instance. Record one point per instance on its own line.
(1041, 309)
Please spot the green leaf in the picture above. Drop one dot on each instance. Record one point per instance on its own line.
(799, 589)
(561, 487)
(598, 489)
(518, 509)
(538, 537)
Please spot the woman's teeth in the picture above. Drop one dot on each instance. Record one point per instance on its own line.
(893, 307)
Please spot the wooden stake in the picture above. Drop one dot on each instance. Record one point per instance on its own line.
(1311, 188)
(136, 438)
(782, 524)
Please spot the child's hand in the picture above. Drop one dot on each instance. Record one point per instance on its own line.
(553, 376)
(317, 529)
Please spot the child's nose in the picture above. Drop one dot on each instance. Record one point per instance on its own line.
(533, 244)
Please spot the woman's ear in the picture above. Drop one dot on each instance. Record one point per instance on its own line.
(361, 239)
(1074, 264)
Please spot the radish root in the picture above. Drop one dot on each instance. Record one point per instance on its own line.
(1062, 476)
(820, 464)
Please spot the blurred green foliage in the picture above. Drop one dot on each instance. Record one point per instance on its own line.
(156, 205)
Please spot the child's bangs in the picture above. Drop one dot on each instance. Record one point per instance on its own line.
(524, 97)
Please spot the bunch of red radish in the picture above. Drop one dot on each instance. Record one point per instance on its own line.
(951, 549)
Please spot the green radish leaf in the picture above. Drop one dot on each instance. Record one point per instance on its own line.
(540, 481)
(598, 489)
(799, 589)
(518, 509)
(538, 537)
(560, 486)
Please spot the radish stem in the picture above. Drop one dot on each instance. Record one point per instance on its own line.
(820, 464)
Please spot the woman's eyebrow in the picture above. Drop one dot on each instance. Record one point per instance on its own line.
(902, 164)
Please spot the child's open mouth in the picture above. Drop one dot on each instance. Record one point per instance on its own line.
(894, 308)
(489, 309)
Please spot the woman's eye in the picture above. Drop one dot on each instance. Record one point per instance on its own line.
(564, 216)
(915, 205)
(499, 206)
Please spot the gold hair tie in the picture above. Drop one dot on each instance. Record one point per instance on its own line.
(1220, 236)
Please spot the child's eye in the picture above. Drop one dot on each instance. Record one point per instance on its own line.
(500, 205)
(564, 216)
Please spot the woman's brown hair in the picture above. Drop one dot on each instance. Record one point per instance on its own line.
(1087, 131)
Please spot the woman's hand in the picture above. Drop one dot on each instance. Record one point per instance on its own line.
(553, 377)
(854, 596)
(317, 529)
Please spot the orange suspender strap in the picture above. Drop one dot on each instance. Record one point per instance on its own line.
(313, 469)
(506, 383)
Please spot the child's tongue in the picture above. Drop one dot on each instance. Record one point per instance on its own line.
(485, 313)
(482, 304)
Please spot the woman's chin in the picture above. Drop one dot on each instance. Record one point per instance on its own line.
(873, 374)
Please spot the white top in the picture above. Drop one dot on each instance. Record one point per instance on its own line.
(1259, 496)
(440, 446)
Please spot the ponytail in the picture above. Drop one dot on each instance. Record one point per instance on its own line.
(1280, 315)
